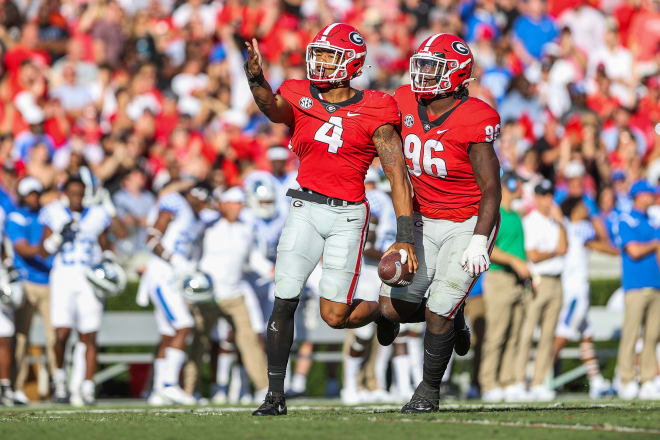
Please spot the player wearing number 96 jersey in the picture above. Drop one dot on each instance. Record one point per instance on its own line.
(448, 145)
(336, 133)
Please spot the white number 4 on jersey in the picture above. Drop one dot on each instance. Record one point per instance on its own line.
(330, 133)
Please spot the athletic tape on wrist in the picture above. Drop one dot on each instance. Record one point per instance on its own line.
(254, 80)
(404, 229)
(152, 243)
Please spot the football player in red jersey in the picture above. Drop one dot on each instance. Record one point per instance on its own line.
(336, 133)
(448, 145)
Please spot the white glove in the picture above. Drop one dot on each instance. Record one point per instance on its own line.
(182, 266)
(109, 255)
(53, 242)
(475, 258)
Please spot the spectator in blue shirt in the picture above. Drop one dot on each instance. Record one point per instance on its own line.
(479, 18)
(574, 187)
(25, 233)
(640, 243)
(6, 203)
(534, 29)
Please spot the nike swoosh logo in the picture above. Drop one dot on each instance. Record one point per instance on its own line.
(352, 114)
(280, 408)
(442, 131)
(352, 219)
(272, 327)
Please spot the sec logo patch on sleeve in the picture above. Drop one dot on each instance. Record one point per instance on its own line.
(408, 120)
(306, 102)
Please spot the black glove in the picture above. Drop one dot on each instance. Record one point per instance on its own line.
(69, 231)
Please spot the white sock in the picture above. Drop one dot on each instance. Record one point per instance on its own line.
(299, 383)
(225, 360)
(416, 357)
(450, 364)
(235, 386)
(351, 371)
(78, 368)
(5, 382)
(175, 359)
(160, 364)
(380, 367)
(59, 376)
(401, 370)
(87, 388)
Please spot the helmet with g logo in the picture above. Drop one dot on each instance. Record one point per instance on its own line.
(345, 53)
(441, 65)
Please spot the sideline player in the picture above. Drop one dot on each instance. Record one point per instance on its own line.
(448, 146)
(573, 321)
(336, 133)
(77, 234)
(172, 238)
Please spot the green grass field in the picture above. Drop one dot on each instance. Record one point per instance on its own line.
(330, 420)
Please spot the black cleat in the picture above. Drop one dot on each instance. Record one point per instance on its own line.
(420, 405)
(386, 331)
(274, 405)
(462, 340)
(62, 400)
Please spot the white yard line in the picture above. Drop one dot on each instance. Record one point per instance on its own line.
(362, 408)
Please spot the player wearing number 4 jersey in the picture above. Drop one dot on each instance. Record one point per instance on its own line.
(336, 133)
(448, 145)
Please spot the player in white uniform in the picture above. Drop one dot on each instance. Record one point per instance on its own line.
(284, 180)
(176, 226)
(77, 236)
(573, 322)
(264, 213)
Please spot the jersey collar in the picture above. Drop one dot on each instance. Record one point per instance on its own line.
(424, 115)
(331, 107)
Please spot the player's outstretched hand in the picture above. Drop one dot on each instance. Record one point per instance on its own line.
(407, 251)
(254, 61)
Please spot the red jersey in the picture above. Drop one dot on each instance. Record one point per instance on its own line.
(437, 154)
(333, 140)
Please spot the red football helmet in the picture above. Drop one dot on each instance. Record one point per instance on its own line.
(339, 48)
(441, 65)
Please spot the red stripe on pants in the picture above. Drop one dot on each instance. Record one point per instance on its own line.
(351, 290)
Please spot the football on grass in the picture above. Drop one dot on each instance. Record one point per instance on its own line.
(393, 272)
